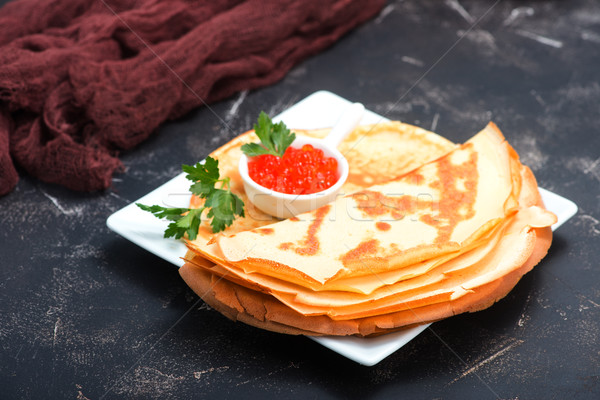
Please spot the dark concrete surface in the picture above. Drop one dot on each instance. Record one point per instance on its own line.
(85, 314)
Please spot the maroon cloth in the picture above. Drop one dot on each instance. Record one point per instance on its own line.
(82, 79)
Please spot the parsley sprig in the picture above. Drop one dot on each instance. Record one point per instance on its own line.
(223, 205)
(274, 138)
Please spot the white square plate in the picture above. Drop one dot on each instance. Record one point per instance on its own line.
(319, 110)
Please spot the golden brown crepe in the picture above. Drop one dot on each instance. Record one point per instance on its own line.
(453, 235)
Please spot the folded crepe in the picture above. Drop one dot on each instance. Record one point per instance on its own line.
(402, 247)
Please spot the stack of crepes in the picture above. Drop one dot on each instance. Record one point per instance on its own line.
(426, 229)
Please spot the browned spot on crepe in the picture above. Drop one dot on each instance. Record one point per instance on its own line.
(457, 203)
(376, 204)
(310, 244)
(382, 226)
(366, 248)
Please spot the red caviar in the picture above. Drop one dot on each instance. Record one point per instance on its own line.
(300, 171)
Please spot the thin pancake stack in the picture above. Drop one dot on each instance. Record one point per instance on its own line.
(424, 232)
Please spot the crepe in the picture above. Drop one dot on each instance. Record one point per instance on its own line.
(453, 235)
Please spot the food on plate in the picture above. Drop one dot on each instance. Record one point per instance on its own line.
(426, 229)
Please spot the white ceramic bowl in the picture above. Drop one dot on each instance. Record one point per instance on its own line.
(283, 205)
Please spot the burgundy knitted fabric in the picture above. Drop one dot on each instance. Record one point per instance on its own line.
(81, 79)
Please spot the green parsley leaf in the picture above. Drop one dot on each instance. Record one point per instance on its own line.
(182, 222)
(172, 214)
(205, 175)
(223, 204)
(253, 149)
(274, 138)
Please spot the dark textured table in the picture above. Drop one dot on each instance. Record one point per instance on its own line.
(85, 314)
